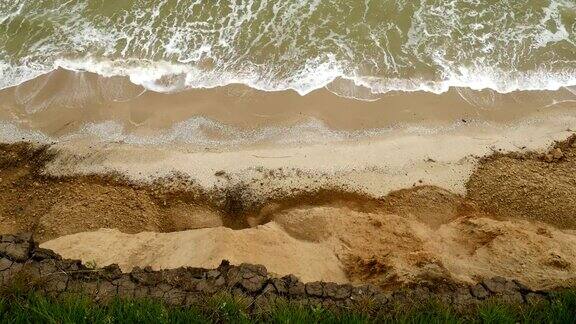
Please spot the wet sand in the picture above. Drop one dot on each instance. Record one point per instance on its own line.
(62, 103)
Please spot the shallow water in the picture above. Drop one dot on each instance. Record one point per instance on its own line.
(369, 47)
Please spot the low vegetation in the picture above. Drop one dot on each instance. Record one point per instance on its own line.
(31, 307)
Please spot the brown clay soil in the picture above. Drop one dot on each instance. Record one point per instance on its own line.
(531, 186)
(517, 221)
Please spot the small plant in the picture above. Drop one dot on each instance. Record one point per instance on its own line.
(227, 307)
(91, 265)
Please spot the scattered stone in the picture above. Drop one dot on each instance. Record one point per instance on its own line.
(554, 155)
(314, 289)
(479, 291)
(558, 262)
(495, 284)
(557, 153)
(544, 232)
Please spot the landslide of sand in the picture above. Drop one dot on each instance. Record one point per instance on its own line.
(267, 244)
(343, 245)
(516, 221)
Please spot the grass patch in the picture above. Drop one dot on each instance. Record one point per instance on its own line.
(31, 307)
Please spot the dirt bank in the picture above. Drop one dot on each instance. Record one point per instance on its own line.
(539, 187)
(515, 221)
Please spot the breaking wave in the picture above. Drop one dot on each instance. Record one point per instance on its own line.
(365, 47)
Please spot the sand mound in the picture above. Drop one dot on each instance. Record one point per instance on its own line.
(339, 244)
(204, 248)
(473, 248)
(388, 249)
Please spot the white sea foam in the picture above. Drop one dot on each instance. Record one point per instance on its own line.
(202, 132)
(169, 77)
(10, 133)
(505, 46)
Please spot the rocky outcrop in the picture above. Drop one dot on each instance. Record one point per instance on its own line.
(22, 262)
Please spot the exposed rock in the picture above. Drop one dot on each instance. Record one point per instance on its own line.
(512, 297)
(106, 291)
(111, 272)
(479, 291)
(145, 276)
(314, 289)
(253, 284)
(5, 264)
(336, 291)
(520, 286)
(18, 252)
(534, 298)
(294, 285)
(495, 284)
(41, 254)
(280, 285)
(362, 292)
(253, 277)
(463, 298)
(213, 274)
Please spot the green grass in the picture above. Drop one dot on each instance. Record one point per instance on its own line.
(31, 307)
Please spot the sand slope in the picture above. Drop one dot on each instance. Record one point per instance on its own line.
(338, 244)
(206, 248)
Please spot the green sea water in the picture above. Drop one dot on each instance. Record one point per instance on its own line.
(380, 45)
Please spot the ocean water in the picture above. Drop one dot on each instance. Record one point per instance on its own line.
(374, 46)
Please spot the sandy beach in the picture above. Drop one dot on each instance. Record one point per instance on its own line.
(413, 186)
(62, 104)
